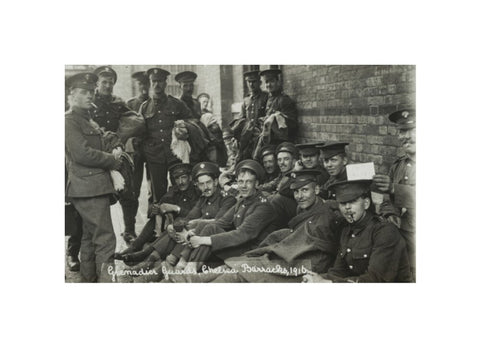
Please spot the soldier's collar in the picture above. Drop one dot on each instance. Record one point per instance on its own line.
(361, 224)
(215, 195)
(160, 100)
(103, 97)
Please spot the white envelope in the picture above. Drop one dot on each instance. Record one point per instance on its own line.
(362, 171)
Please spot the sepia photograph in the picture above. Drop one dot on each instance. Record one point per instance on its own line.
(240, 173)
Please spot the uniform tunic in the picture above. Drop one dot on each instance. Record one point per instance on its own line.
(90, 189)
(160, 115)
(280, 102)
(371, 250)
(241, 228)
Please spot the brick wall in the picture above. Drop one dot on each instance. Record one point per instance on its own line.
(351, 103)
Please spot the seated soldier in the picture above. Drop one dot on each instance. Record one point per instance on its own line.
(177, 202)
(310, 159)
(213, 204)
(242, 227)
(371, 249)
(334, 160)
(269, 162)
(309, 244)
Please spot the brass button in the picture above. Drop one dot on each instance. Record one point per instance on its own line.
(365, 255)
(350, 267)
(348, 250)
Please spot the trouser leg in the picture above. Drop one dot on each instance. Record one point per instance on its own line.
(158, 177)
(164, 245)
(73, 227)
(147, 235)
(409, 238)
(98, 240)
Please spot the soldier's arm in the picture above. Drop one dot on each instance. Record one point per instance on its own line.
(196, 211)
(251, 227)
(404, 195)
(227, 203)
(83, 154)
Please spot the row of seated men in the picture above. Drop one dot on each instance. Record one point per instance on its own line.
(295, 218)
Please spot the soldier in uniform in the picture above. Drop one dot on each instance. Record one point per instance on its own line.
(334, 160)
(160, 112)
(248, 126)
(280, 122)
(143, 86)
(371, 249)
(269, 162)
(399, 184)
(109, 109)
(242, 227)
(213, 204)
(176, 203)
(89, 186)
(310, 159)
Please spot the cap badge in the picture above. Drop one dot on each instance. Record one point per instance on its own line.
(202, 166)
(293, 175)
(405, 114)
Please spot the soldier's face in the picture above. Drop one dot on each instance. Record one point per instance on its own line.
(182, 182)
(207, 185)
(253, 85)
(203, 102)
(81, 98)
(335, 164)
(310, 161)
(158, 84)
(143, 87)
(247, 184)
(105, 85)
(187, 88)
(269, 163)
(272, 84)
(285, 161)
(306, 196)
(354, 210)
(408, 137)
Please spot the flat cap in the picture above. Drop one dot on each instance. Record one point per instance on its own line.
(330, 149)
(84, 80)
(350, 190)
(310, 148)
(205, 168)
(271, 72)
(140, 76)
(404, 119)
(303, 177)
(106, 71)
(287, 147)
(186, 77)
(180, 169)
(252, 75)
(156, 71)
(252, 165)
(266, 150)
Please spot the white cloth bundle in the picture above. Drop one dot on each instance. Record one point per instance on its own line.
(118, 180)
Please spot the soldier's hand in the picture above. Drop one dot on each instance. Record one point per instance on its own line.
(155, 209)
(171, 232)
(117, 153)
(298, 166)
(383, 183)
(181, 237)
(165, 208)
(395, 220)
(192, 224)
(197, 241)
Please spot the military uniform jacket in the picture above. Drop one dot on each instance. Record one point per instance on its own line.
(325, 193)
(108, 112)
(87, 163)
(213, 207)
(402, 173)
(136, 102)
(371, 250)
(160, 116)
(185, 199)
(193, 105)
(254, 106)
(280, 102)
(244, 222)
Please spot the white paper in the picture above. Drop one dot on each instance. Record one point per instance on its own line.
(363, 171)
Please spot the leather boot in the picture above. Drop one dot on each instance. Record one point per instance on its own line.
(73, 263)
(132, 259)
(146, 265)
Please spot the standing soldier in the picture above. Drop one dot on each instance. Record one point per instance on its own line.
(143, 86)
(186, 80)
(334, 160)
(109, 109)
(400, 182)
(248, 126)
(160, 112)
(280, 122)
(89, 186)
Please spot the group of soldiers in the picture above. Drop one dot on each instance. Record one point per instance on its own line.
(242, 204)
